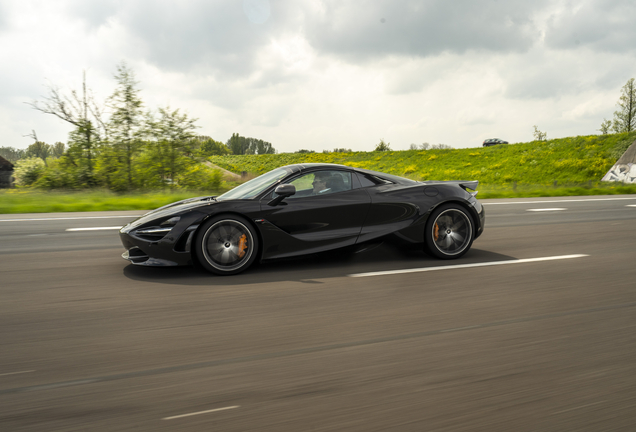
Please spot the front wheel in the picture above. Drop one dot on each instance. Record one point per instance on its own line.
(449, 232)
(226, 245)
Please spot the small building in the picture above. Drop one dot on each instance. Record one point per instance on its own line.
(6, 173)
(624, 170)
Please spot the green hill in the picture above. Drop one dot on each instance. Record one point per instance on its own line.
(566, 161)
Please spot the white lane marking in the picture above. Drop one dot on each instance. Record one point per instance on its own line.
(547, 209)
(556, 201)
(16, 373)
(462, 266)
(630, 205)
(458, 329)
(68, 218)
(94, 228)
(579, 407)
(200, 412)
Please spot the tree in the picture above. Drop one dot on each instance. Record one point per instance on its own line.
(12, 154)
(605, 127)
(125, 127)
(441, 147)
(625, 117)
(423, 146)
(205, 146)
(83, 144)
(383, 146)
(342, 150)
(304, 151)
(538, 135)
(58, 149)
(258, 146)
(170, 153)
(40, 150)
(131, 149)
(236, 145)
(239, 145)
(81, 111)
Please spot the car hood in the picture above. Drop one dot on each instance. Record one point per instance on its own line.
(184, 204)
(174, 208)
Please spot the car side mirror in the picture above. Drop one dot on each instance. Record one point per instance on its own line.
(282, 191)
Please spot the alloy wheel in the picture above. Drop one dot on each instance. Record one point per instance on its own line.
(452, 232)
(228, 245)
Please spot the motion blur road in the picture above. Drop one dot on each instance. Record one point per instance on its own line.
(538, 335)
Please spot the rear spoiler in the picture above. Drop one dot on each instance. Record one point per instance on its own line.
(464, 184)
(472, 185)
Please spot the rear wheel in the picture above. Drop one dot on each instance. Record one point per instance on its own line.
(226, 245)
(449, 232)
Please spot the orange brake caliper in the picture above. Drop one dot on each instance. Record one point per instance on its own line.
(436, 232)
(242, 247)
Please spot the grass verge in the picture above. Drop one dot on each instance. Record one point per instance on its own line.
(530, 191)
(29, 201)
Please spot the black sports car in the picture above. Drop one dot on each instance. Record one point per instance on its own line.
(302, 209)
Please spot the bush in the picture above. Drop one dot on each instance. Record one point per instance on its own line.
(56, 175)
(200, 177)
(383, 146)
(27, 171)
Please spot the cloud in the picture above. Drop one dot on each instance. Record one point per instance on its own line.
(224, 38)
(95, 13)
(227, 37)
(324, 73)
(601, 26)
(257, 11)
(547, 74)
(362, 30)
(3, 17)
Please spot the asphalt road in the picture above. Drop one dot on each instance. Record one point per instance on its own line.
(533, 330)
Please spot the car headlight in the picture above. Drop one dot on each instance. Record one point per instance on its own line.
(170, 222)
(158, 232)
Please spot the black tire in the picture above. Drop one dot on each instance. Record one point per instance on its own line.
(449, 232)
(220, 241)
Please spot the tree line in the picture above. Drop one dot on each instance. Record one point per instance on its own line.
(120, 145)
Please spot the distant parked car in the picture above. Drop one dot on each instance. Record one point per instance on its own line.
(494, 141)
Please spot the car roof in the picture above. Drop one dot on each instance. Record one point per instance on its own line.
(297, 168)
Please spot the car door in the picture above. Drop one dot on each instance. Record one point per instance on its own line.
(393, 206)
(315, 218)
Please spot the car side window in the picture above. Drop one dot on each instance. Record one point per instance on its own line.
(367, 180)
(321, 183)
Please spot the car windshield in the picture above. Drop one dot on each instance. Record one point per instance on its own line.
(255, 186)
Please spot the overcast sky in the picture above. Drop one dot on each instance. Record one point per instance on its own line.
(325, 74)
